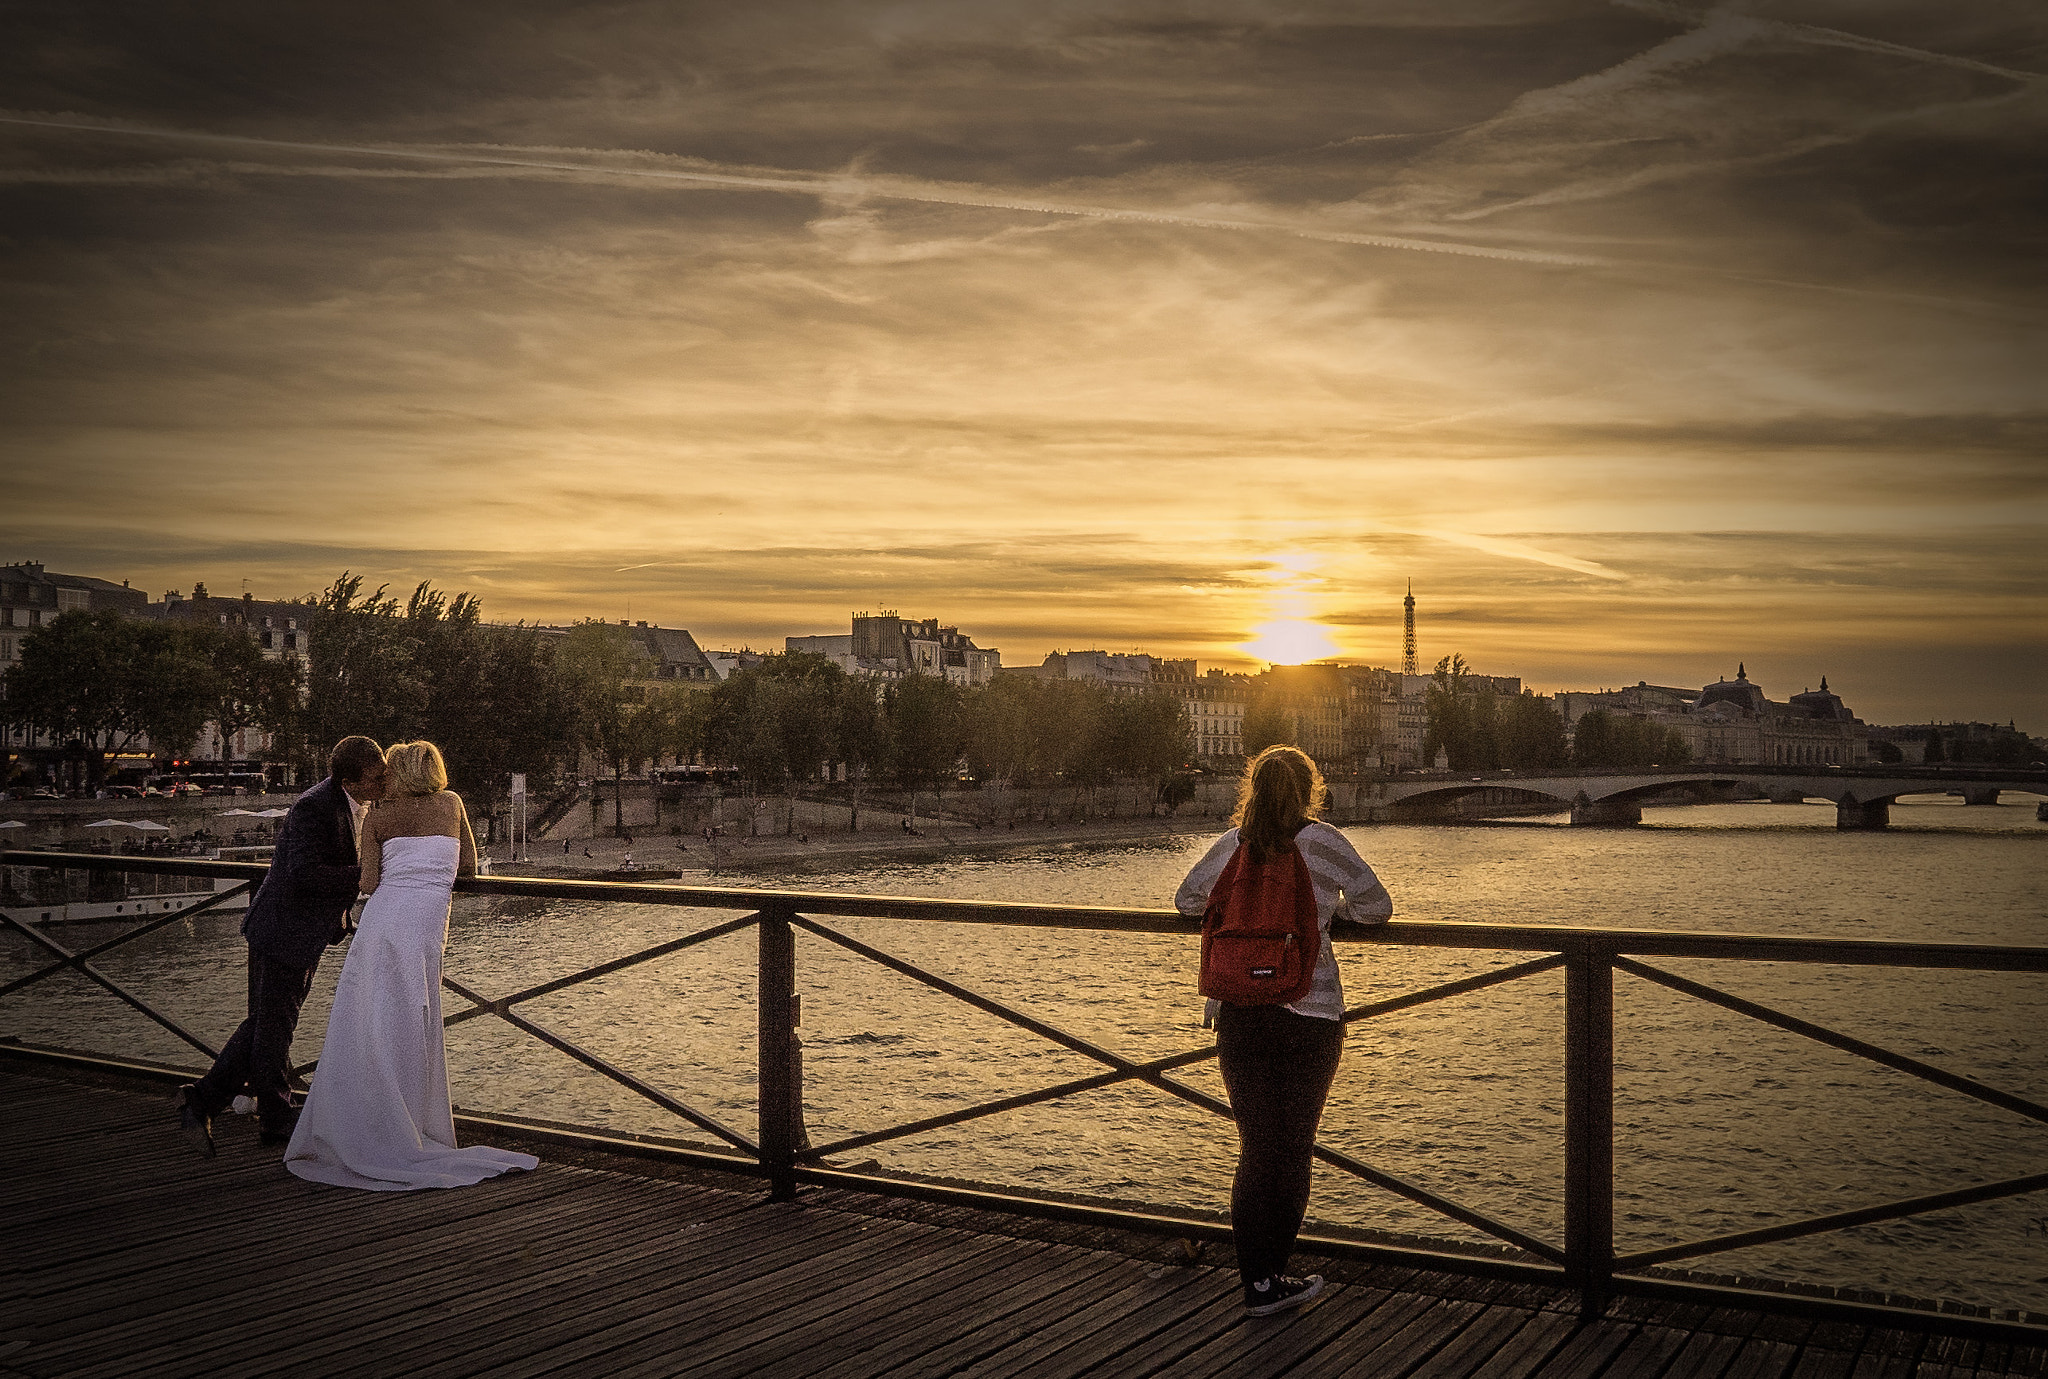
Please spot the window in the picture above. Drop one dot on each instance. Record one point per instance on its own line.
(70, 599)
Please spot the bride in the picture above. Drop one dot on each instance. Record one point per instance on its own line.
(378, 1115)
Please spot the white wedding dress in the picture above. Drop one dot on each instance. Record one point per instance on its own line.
(378, 1114)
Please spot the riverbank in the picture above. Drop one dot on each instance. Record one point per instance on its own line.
(691, 859)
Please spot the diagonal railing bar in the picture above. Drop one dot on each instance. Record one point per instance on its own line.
(1168, 1063)
(1422, 1196)
(1012, 1103)
(137, 932)
(1841, 1220)
(606, 1069)
(1848, 1043)
(996, 1008)
(1463, 986)
(1165, 1084)
(604, 969)
(77, 963)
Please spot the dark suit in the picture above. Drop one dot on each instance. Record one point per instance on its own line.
(299, 910)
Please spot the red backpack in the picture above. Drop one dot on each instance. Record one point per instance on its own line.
(1260, 938)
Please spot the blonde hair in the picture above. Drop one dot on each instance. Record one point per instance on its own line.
(416, 769)
(1281, 791)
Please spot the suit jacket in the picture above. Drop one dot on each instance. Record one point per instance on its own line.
(304, 900)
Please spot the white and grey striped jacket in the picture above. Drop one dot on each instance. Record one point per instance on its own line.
(1344, 886)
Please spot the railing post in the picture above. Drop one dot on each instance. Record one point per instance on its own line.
(1589, 1124)
(780, 1083)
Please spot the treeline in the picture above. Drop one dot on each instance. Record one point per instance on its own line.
(505, 699)
(1487, 732)
(795, 717)
(109, 683)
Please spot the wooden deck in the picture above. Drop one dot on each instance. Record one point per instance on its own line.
(126, 1254)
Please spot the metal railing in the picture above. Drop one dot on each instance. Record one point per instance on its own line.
(1585, 1259)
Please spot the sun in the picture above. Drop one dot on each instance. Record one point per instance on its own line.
(1290, 642)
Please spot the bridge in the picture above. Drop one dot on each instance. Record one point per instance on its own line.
(122, 1254)
(1862, 795)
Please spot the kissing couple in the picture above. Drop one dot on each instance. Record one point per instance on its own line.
(378, 1116)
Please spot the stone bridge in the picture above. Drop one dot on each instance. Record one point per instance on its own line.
(1862, 795)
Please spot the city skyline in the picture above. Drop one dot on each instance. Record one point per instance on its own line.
(1645, 338)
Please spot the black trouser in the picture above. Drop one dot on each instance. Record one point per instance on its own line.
(259, 1054)
(1278, 1067)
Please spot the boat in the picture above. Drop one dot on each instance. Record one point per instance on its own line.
(34, 895)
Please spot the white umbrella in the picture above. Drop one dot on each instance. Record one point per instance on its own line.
(272, 813)
(148, 826)
(231, 813)
(12, 823)
(111, 823)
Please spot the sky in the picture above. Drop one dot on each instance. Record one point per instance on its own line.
(1645, 339)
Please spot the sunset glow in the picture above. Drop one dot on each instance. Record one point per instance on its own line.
(1643, 339)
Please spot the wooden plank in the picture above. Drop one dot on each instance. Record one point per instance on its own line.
(620, 1282)
(1141, 1291)
(1526, 1351)
(166, 1225)
(1154, 1350)
(1019, 1313)
(911, 1322)
(482, 1290)
(1276, 1344)
(714, 1286)
(1650, 1351)
(213, 1303)
(574, 1263)
(849, 1316)
(1588, 1350)
(1762, 1358)
(1704, 1356)
(1478, 1342)
(1372, 1339)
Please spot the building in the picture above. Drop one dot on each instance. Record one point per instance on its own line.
(1116, 671)
(675, 654)
(31, 596)
(283, 629)
(835, 647)
(1214, 702)
(884, 646)
(1733, 722)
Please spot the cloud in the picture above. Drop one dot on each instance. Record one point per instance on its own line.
(1635, 339)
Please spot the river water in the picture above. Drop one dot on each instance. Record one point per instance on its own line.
(1721, 1124)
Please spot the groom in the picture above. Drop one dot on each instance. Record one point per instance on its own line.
(299, 910)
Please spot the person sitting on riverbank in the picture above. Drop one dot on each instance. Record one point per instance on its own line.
(1279, 1061)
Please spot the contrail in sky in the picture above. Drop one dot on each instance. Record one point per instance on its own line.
(829, 185)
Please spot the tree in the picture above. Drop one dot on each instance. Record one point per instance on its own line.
(361, 676)
(1453, 725)
(1268, 722)
(861, 735)
(928, 728)
(1606, 739)
(1145, 737)
(1004, 736)
(605, 670)
(109, 682)
(247, 689)
(1532, 735)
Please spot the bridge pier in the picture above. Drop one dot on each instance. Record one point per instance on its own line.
(1854, 815)
(1980, 794)
(1605, 813)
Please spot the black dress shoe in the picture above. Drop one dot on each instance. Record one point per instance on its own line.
(274, 1136)
(193, 1121)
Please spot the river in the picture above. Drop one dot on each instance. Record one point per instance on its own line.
(1721, 1124)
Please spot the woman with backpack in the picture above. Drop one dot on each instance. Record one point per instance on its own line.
(1266, 893)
